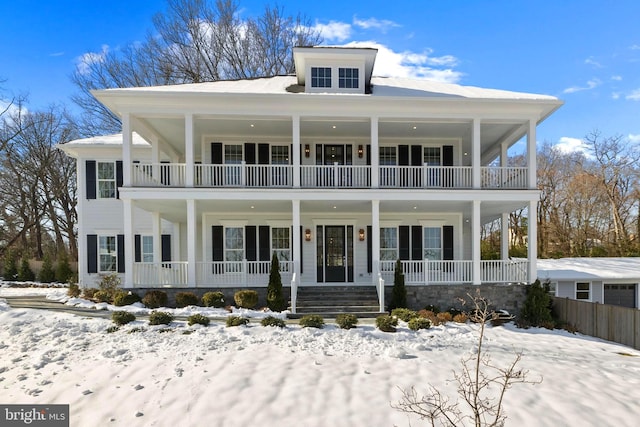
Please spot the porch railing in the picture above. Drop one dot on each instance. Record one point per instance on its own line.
(504, 178)
(159, 174)
(335, 176)
(239, 273)
(243, 175)
(160, 274)
(425, 177)
(511, 271)
(451, 272)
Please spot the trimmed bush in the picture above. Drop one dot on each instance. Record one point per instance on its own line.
(419, 323)
(74, 291)
(160, 318)
(109, 286)
(399, 292)
(184, 299)
(102, 296)
(312, 321)
(444, 317)
(122, 298)
(404, 314)
(275, 299)
(460, 318)
(386, 323)
(428, 314)
(213, 299)
(89, 293)
(346, 320)
(25, 274)
(236, 321)
(273, 321)
(47, 274)
(155, 299)
(199, 319)
(122, 317)
(246, 298)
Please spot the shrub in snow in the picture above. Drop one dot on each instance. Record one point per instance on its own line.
(123, 297)
(236, 321)
(113, 328)
(346, 320)
(122, 317)
(213, 299)
(160, 318)
(444, 317)
(428, 314)
(63, 269)
(74, 290)
(399, 292)
(246, 298)
(199, 319)
(10, 271)
(419, 323)
(47, 274)
(89, 293)
(108, 287)
(386, 323)
(102, 296)
(275, 299)
(536, 309)
(404, 314)
(460, 318)
(184, 299)
(312, 321)
(25, 274)
(155, 299)
(273, 321)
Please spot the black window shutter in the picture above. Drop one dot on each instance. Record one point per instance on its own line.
(250, 243)
(138, 248)
(368, 154)
(403, 242)
(217, 242)
(250, 153)
(318, 154)
(416, 155)
(447, 242)
(216, 153)
(92, 253)
(447, 155)
(121, 253)
(416, 242)
(165, 247)
(369, 250)
(264, 243)
(263, 154)
(403, 155)
(90, 175)
(301, 246)
(119, 177)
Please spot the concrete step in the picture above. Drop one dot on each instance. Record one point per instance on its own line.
(329, 301)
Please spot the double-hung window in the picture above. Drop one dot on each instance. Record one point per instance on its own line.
(280, 243)
(348, 78)
(388, 243)
(233, 248)
(233, 162)
(106, 180)
(432, 243)
(321, 77)
(583, 290)
(147, 248)
(108, 256)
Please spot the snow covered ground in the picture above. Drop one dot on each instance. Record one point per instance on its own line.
(244, 376)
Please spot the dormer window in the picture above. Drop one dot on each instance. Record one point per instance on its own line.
(321, 77)
(348, 78)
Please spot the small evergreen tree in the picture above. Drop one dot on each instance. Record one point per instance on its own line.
(536, 310)
(63, 269)
(275, 299)
(47, 275)
(25, 274)
(399, 292)
(10, 266)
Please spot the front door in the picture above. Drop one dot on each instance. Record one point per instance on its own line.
(335, 250)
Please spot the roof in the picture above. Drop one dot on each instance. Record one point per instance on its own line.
(106, 140)
(589, 269)
(366, 56)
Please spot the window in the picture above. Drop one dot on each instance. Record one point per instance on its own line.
(280, 243)
(432, 243)
(432, 156)
(320, 77)
(106, 180)
(233, 156)
(147, 248)
(348, 78)
(108, 256)
(279, 155)
(388, 244)
(233, 248)
(387, 156)
(583, 290)
(551, 290)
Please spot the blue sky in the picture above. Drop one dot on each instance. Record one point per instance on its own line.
(585, 52)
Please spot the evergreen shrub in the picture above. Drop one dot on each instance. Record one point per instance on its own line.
(273, 321)
(386, 323)
(213, 299)
(346, 320)
(246, 298)
(184, 299)
(122, 317)
(419, 323)
(312, 321)
(155, 299)
(160, 318)
(404, 314)
(198, 319)
(236, 321)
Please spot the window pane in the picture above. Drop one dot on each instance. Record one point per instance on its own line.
(147, 248)
(432, 156)
(106, 170)
(388, 156)
(279, 155)
(107, 189)
(233, 154)
(388, 243)
(107, 251)
(432, 243)
(320, 77)
(348, 78)
(106, 180)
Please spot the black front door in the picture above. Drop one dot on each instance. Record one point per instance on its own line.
(335, 254)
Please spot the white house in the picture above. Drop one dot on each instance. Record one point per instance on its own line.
(337, 172)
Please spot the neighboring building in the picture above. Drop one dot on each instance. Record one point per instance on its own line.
(337, 172)
(604, 280)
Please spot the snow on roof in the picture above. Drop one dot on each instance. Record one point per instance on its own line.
(115, 139)
(589, 269)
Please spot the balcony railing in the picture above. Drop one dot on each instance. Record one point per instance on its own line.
(240, 273)
(160, 274)
(326, 176)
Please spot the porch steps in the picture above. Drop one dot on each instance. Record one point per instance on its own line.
(329, 301)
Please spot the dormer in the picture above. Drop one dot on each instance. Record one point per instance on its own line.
(334, 69)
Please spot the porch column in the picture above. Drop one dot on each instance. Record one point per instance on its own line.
(129, 246)
(157, 236)
(504, 156)
(126, 150)
(475, 244)
(191, 243)
(504, 236)
(532, 241)
(295, 154)
(375, 238)
(531, 155)
(297, 245)
(475, 154)
(375, 154)
(189, 154)
(155, 158)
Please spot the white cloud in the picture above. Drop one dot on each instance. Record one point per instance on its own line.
(333, 31)
(592, 62)
(635, 138)
(635, 47)
(591, 84)
(615, 95)
(379, 24)
(634, 96)
(570, 145)
(616, 78)
(84, 61)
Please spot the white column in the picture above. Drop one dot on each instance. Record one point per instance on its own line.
(504, 157)
(188, 150)
(375, 237)
(129, 246)
(475, 243)
(157, 236)
(191, 242)
(531, 154)
(81, 176)
(297, 245)
(532, 241)
(155, 158)
(295, 138)
(126, 150)
(475, 154)
(504, 236)
(375, 154)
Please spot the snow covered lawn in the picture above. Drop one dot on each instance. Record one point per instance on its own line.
(243, 376)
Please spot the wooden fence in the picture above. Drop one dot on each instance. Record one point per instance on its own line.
(609, 322)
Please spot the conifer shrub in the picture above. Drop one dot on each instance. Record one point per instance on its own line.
(273, 321)
(47, 273)
(10, 271)
(404, 314)
(184, 299)
(89, 293)
(246, 298)
(346, 320)
(536, 309)
(160, 318)
(113, 328)
(74, 290)
(399, 292)
(108, 287)
(155, 299)
(123, 298)
(275, 298)
(63, 268)
(236, 321)
(419, 323)
(122, 317)
(312, 321)
(198, 319)
(102, 296)
(25, 273)
(386, 323)
(213, 299)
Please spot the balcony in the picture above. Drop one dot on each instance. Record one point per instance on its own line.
(327, 176)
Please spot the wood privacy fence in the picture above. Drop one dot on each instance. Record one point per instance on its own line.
(609, 322)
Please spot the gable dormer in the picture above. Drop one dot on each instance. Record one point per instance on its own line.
(334, 69)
